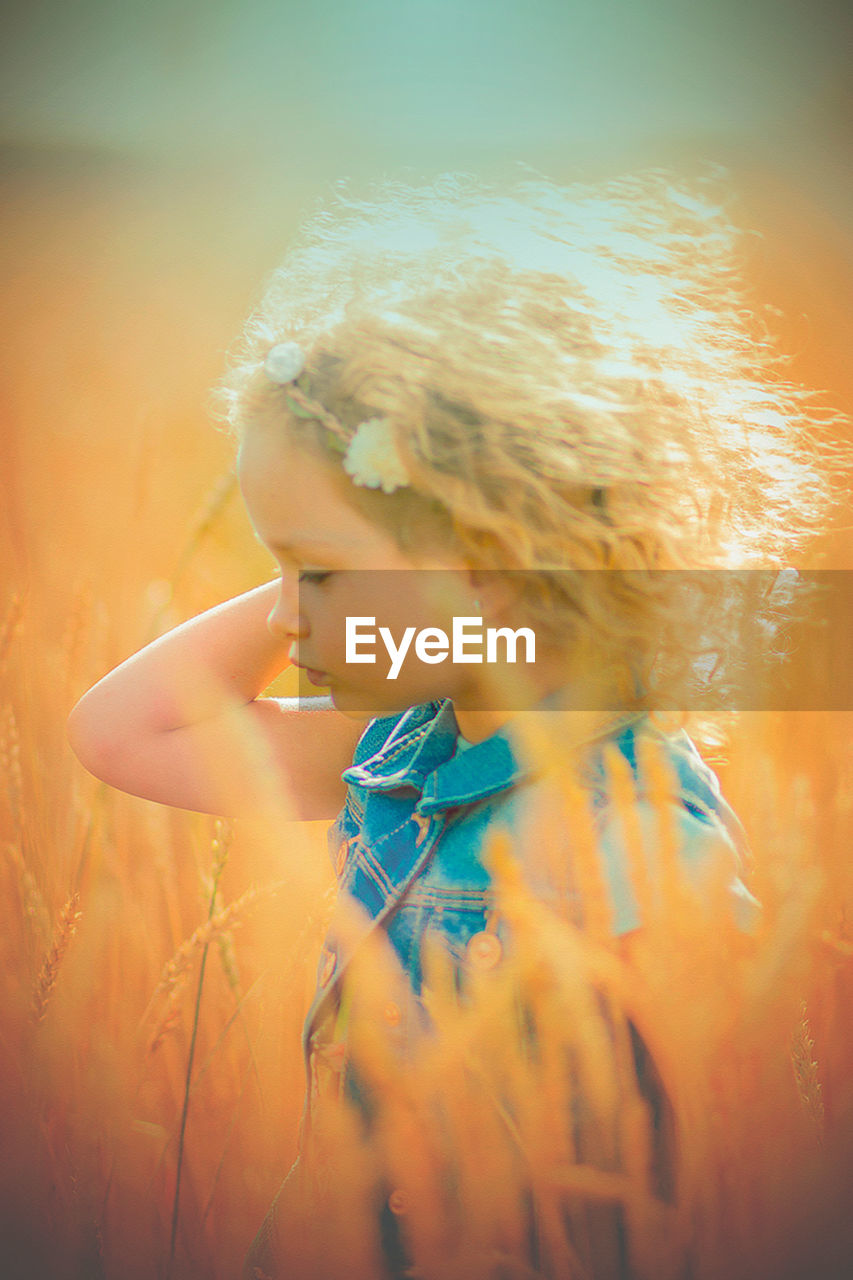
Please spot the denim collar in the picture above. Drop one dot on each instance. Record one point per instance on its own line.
(420, 754)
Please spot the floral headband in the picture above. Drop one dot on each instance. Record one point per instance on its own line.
(370, 455)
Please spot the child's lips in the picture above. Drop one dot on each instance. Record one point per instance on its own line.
(316, 677)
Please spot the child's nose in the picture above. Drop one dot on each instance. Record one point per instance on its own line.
(285, 619)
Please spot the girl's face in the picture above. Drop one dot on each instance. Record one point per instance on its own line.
(335, 563)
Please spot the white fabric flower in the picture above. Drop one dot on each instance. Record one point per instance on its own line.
(372, 458)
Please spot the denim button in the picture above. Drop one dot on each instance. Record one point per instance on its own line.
(484, 950)
(391, 1014)
(398, 1201)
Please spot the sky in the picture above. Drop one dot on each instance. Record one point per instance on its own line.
(325, 83)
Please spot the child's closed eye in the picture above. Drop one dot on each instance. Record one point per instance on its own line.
(315, 576)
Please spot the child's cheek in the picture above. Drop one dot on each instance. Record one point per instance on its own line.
(329, 637)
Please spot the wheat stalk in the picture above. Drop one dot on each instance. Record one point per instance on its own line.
(76, 627)
(806, 1071)
(66, 927)
(211, 508)
(175, 970)
(10, 762)
(166, 1025)
(32, 901)
(223, 835)
(9, 628)
(226, 918)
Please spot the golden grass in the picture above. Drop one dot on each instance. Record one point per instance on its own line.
(109, 903)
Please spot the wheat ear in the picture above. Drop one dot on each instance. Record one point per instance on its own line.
(49, 972)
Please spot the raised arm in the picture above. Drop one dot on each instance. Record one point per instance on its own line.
(181, 722)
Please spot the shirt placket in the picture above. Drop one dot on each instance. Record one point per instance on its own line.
(326, 1040)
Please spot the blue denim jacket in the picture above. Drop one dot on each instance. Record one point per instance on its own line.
(407, 848)
(407, 845)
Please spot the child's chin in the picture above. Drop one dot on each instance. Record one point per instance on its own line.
(360, 704)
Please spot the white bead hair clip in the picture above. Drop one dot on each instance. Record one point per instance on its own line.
(284, 363)
(370, 458)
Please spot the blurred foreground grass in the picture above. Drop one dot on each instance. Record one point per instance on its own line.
(123, 288)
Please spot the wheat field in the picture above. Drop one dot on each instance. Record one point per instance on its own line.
(155, 965)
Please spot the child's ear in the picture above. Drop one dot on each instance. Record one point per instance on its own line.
(496, 592)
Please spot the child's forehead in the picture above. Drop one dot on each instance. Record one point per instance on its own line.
(287, 481)
(298, 507)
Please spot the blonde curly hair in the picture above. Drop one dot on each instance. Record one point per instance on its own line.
(573, 380)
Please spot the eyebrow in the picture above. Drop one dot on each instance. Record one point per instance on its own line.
(303, 541)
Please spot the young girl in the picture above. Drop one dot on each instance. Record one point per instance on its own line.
(518, 409)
